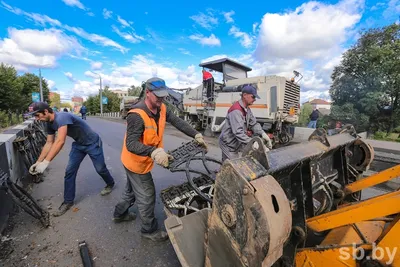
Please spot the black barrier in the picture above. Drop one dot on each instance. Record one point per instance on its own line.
(30, 145)
(23, 199)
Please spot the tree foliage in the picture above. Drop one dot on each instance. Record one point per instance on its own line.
(93, 102)
(10, 89)
(16, 91)
(368, 78)
(55, 101)
(134, 90)
(305, 113)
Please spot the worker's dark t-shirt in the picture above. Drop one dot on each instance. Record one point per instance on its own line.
(77, 128)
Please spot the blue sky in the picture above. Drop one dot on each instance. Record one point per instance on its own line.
(127, 42)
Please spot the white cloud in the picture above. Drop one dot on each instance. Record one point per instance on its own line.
(393, 9)
(91, 14)
(140, 68)
(43, 20)
(255, 24)
(184, 51)
(37, 18)
(23, 50)
(70, 76)
(211, 41)
(206, 21)
(50, 83)
(212, 58)
(95, 38)
(96, 65)
(73, 3)
(52, 42)
(245, 39)
(228, 16)
(311, 31)
(123, 22)
(130, 37)
(107, 13)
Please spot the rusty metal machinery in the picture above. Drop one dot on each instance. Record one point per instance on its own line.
(261, 201)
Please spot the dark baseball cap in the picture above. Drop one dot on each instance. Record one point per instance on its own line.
(249, 89)
(157, 86)
(38, 106)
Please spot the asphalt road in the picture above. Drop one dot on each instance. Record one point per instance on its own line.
(90, 219)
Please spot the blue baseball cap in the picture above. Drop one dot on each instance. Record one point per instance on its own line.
(157, 86)
(249, 89)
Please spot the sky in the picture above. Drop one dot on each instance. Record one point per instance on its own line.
(127, 42)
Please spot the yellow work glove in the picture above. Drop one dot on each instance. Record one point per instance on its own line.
(199, 139)
(161, 157)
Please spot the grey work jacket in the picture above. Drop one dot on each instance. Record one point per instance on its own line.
(233, 134)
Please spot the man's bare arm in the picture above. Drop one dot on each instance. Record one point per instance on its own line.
(46, 147)
(58, 144)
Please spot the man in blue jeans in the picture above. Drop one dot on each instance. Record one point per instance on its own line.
(313, 118)
(87, 142)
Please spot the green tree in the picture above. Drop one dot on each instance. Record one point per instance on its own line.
(305, 112)
(368, 77)
(11, 97)
(93, 102)
(55, 101)
(134, 91)
(31, 84)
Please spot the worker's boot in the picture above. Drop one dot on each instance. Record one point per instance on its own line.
(62, 209)
(157, 236)
(107, 190)
(130, 216)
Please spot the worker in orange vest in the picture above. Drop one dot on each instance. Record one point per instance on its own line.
(208, 83)
(142, 146)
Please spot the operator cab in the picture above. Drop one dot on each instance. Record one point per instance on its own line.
(229, 69)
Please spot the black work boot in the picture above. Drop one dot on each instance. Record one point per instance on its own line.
(62, 209)
(130, 216)
(157, 236)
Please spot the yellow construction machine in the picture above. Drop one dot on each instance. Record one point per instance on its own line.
(298, 205)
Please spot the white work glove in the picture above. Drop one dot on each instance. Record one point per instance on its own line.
(267, 139)
(32, 168)
(41, 167)
(256, 146)
(161, 157)
(199, 139)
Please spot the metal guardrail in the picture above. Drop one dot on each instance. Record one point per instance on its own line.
(23, 199)
(30, 145)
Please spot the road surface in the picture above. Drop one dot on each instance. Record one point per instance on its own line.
(91, 218)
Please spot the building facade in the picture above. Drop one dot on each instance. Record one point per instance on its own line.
(120, 93)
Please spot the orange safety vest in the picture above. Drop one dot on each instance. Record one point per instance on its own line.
(150, 137)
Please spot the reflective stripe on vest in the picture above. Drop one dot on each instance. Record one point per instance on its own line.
(150, 137)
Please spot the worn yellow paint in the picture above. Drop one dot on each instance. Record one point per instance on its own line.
(390, 242)
(311, 257)
(372, 180)
(379, 206)
(347, 235)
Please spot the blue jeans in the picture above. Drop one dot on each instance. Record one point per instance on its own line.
(77, 154)
(312, 124)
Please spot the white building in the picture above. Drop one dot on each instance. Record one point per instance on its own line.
(120, 93)
(319, 103)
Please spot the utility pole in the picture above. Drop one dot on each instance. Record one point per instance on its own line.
(40, 86)
(101, 98)
(101, 93)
